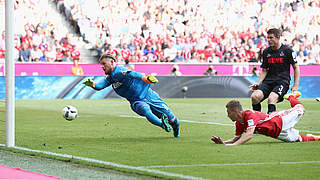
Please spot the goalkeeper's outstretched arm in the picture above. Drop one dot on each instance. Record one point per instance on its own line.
(148, 79)
(97, 86)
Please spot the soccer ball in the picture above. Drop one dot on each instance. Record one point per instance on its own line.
(69, 113)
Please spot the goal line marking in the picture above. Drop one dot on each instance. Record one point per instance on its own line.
(235, 164)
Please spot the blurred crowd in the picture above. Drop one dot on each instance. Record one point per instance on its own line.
(197, 31)
(181, 31)
(38, 36)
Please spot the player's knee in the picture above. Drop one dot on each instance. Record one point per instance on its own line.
(140, 108)
(255, 98)
(272, 100)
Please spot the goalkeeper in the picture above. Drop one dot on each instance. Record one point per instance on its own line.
(135, 87)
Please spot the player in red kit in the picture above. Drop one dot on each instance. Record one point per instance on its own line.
(274, 80)
(278, 125)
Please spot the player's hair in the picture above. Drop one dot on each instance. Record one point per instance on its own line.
(107, 56)
(234, 105)
(276, 32)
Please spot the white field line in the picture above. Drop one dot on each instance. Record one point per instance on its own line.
(310, 131)
(110, 164)
(221, 124)
(234, 164)
(197, 122)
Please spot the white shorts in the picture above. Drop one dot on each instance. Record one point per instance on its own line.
(290, 118)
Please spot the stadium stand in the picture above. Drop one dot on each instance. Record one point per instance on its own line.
(179, 31)
(158, 31)
(47, 36)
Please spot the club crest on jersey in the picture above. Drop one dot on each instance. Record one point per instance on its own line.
(124, 73)
(281, 53)
(250, 122)
(268, 55)
(116, 84)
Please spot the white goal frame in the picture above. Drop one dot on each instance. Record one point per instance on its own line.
(9, 74)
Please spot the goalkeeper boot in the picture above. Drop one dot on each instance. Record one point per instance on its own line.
(165, 123)
(175, 127)
(295, 95)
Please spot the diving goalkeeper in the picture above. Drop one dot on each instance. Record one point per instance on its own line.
(135, 87)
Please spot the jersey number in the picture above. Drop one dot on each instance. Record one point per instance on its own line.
(280, 89)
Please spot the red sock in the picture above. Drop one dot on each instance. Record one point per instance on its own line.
(293, 101)
(308, 138)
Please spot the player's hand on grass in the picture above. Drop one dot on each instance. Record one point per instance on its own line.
(89, 82)
(253, 86)
(152, 79)
(217, 140)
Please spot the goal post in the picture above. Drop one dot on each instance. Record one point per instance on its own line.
(9, 74)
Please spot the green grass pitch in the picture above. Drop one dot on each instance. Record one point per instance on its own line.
(108, 130)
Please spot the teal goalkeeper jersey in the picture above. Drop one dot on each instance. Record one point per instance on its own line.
(126, 83)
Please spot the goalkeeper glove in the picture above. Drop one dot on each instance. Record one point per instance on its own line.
(89, 82)
(152, 79)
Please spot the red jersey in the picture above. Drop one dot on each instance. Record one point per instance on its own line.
(114, 52)
(266, 124)
(2, 53)
(75, 54)
(125, 53)
(249, 54)
(67, 47)
(26, 39)
(159, 53)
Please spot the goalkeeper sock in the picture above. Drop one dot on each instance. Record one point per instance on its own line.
(256, 107)
(174, 122)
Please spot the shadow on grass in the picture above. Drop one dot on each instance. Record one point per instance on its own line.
(137, 139)
(267, 142)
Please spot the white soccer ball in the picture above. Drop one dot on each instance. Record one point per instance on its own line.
(69, 113)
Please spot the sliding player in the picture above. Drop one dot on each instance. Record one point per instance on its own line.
(278, 125)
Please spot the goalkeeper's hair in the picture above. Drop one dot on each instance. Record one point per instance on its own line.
(110, 56)
(234, 105)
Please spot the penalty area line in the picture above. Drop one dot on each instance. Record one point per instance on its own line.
(234, 164)
(143, 169)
